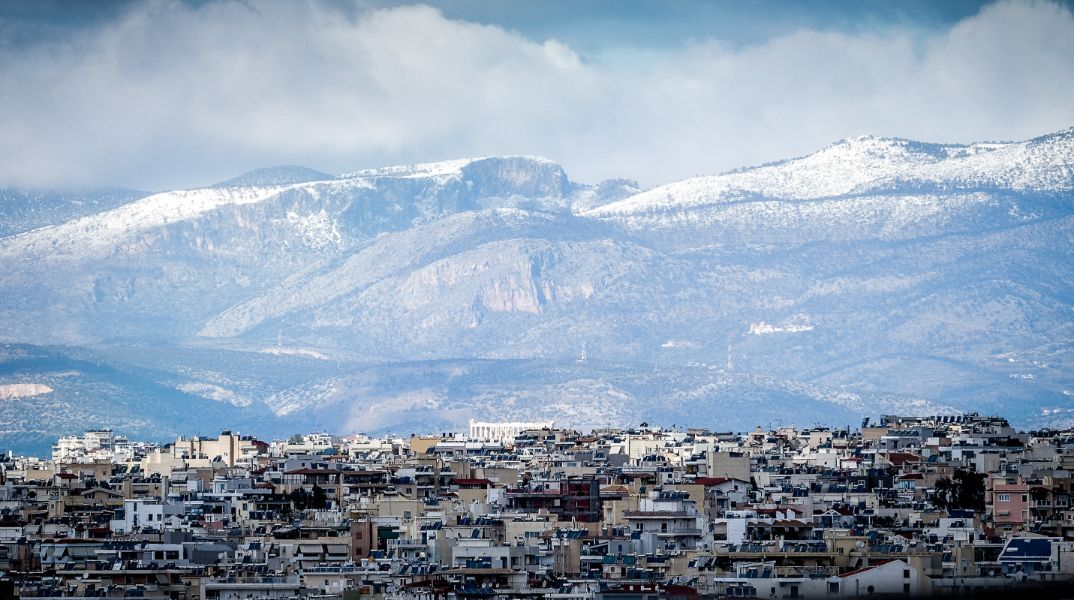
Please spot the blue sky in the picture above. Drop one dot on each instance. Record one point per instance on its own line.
(171, 94)
(597, 27)
(592, 27)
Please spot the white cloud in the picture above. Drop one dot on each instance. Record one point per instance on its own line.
(172, 95)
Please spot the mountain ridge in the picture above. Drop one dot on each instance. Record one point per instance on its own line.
(877, 274)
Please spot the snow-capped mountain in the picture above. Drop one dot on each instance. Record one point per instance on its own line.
(869, 164)
(876, 275)
(863, 188)
(282, 175)
(23, 209)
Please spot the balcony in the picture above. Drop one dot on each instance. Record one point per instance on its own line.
(252, 584)
(680, 532)
(657, 514)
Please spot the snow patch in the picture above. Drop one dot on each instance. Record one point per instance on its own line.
(317, 229)
(680, 344)
(10, 391)
(278, 351)
(797, 324)
(214, 392)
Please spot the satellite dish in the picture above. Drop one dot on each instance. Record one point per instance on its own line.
(860, 544)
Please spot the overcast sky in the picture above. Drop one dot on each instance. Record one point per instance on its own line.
(158, 94)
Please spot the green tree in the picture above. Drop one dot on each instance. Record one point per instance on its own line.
(300, 499)
(319, 499)
(970, 490)
(965, 491)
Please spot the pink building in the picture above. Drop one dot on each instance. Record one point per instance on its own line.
(1008, 502)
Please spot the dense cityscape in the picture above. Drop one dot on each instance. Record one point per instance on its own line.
(919, 506)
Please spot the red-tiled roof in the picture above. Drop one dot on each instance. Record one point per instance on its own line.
(898, 458)
(711, 480)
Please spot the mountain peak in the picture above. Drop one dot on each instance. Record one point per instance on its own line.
(1061, 135)
(855, 165)
(445, 167)
(278, 175)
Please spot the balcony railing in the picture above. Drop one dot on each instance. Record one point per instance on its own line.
(680, 532)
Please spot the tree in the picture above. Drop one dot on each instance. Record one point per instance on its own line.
(319, 499)
(965, 491)
(943, 493)
(300, 499)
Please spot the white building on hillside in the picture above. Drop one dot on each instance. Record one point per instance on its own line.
(503, 432)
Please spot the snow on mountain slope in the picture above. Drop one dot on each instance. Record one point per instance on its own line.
(281, 175)
(863, 188)
(102, 233)
(870, 165)
(1040, 165)
(431, 169)
(23, 210)
(605, 192)
(421, 191)
(442, 168)
(833, 171)
(178, 259)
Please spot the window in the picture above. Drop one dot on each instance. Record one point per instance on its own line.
(906, 573)
(833, 587)
(906, 588)
(1025, 498)
(1004, 497)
